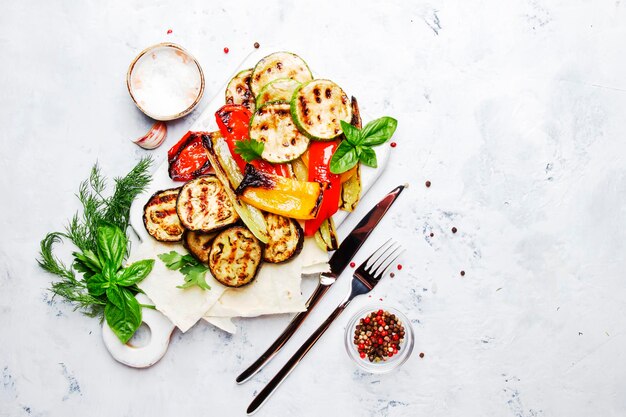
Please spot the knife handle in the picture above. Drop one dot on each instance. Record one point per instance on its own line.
(293, 326)
(293, 361)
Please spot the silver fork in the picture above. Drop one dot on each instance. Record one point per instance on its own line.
(364, 279)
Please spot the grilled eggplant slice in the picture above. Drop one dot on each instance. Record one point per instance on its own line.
(198, 244)
(279, 195)
(318, 107)
(272, 125)
(278, 90)
(160, 218)
(286, 238)
(235, 256)
(229, 174)
(203, 205)
(238, 90)
(279, 65)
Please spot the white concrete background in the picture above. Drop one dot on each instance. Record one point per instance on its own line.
(514, 110)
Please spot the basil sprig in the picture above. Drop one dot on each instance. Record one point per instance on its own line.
(108, 281)
(358, 144)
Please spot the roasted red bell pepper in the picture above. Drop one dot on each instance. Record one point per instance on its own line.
(234, 121)
(187, 159)
(320, 154)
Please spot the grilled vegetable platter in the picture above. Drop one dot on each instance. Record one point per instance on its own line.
(247, 201)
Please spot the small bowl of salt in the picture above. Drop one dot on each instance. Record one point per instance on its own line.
(165, 81)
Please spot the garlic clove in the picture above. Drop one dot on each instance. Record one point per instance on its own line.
(154, 138)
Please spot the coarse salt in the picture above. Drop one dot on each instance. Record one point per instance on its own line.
(165, 82)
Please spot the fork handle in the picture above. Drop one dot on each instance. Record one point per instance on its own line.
(294, 360)
(284, 336)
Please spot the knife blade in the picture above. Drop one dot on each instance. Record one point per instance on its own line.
(338, 262)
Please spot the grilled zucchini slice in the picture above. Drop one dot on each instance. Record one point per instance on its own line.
(318, 107)
(286, 238)
(279, 65)
(198, 244)
(278, 90)
(238, 90)
(272, 124)
(160, 218)
(203, 205)
(235, 256)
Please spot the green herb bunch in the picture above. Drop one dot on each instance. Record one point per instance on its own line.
(358, 143)
(105, 288)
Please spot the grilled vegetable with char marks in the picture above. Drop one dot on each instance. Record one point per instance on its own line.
(235, 256)
(279, 195)
(203, 205)
(160, 218)
(278, 90)
(228, 172)
(238, 90)
(286, 238)
(198, 244)
(318, 107)
(273, 126)
(326, 236)
(279, 65)
(351, 180)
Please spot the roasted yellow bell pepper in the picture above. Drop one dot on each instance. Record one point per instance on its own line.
(279, 195)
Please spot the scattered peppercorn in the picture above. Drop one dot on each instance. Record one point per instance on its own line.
(392, 275)
(462, 273)
(427, 184)
(432, 234)
(256, 45)
(393, 144)
(226, 50)
(378, 336)
(169, 31)
(352, 264)
(399, 267)
(454, 230)
(421, 354)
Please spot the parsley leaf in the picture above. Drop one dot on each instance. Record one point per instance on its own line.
(249, 149)
(193, 271)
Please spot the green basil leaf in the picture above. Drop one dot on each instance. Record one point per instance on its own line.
(88, 259)
(344, 158)
(352, 134)
(135, 272)
(368, 157)
(97, 285)
(111, 242)
(378, 131)
(124, 318)
(114, 295)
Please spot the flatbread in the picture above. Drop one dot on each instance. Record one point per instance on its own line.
(183, 307)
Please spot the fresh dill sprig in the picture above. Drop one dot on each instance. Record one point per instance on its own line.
(82, 231)
(67, 286)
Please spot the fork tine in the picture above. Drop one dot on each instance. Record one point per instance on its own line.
(382, 256)
(366, 264)
(382, 269)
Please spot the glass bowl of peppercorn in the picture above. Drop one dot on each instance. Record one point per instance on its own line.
(379, 339)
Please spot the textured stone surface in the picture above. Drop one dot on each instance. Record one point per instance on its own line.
(513, 110)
